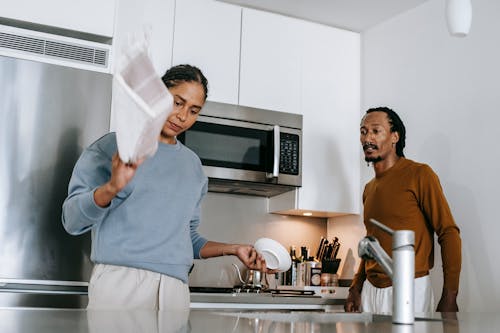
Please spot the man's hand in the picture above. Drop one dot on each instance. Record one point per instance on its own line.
(448, 301)
(353, 302)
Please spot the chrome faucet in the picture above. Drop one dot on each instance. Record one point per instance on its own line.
(401, 269)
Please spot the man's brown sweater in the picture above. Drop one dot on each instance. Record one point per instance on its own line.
(408, 196)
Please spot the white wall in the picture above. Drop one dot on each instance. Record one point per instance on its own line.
(349, 229)
(447, 92)
(243, 219)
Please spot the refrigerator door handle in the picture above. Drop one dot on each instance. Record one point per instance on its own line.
(48, 287)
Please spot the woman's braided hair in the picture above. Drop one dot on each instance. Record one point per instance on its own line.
(185, 73)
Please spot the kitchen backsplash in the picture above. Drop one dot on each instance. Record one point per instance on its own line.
(350, 230)
(244, 219)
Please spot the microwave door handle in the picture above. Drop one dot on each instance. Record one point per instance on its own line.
(276, 159)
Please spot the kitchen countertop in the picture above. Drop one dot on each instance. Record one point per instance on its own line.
(43, 320)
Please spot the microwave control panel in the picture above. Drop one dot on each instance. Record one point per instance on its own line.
(289, 153)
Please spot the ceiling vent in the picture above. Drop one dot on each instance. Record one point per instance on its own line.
(54, 49)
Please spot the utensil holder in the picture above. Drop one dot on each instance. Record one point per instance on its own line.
(330, 265)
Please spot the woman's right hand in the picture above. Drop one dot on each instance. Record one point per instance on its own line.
(252, 260)
(121, 174)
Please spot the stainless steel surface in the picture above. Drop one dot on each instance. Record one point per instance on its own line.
(262, 301)
(289, 182)
(369, 248)
(27, 293)
(254, 278)
(289, 298)
(259, 116)
(247, 187)
(382, 226)
(276, 153)
(401, 269)
(221, 174)
(4, 282)
(307, 316)
(48, 114)
(206, 118)
(217, 320)
(403, 298)
(241, 181)
(49, 287)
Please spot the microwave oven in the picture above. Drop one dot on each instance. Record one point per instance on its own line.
(247, 150)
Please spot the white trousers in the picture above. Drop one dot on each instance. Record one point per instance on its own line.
(379, 300)
(126, 288)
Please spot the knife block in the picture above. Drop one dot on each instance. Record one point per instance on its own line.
(330, 265)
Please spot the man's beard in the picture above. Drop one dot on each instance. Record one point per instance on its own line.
(373, 159)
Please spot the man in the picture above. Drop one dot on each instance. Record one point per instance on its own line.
(404, 195)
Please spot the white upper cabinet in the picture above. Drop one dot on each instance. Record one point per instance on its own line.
(207, 35)
(330, 105)
(271, 50)
(328, 97)
(91, 16)
(152, 17)
(269, 61)
(136, 18)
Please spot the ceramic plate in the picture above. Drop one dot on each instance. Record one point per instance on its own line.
(274, 253)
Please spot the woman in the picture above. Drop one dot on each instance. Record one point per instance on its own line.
(144, 216)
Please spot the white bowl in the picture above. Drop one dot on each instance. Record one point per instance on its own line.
(275, 254)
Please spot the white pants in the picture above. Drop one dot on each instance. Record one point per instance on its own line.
(379, 300)
(126, 288)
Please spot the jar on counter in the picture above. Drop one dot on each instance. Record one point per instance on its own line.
(329, 280)
(313, 273)
(329, 277)
(301, 274)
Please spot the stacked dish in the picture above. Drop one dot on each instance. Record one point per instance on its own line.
(275, 254)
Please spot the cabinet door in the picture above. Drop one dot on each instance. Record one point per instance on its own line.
(330, 104)
(154, 17)
(207, 35)
(90, 16)
(270, 73)
(329, 99)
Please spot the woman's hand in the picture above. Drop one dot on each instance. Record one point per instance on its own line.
(245, 252)
(247, 255)
(121, 174)
(253, 260)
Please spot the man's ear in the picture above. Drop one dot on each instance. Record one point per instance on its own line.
(395, 137)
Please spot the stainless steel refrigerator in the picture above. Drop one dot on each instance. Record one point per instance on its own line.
(48, 114)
